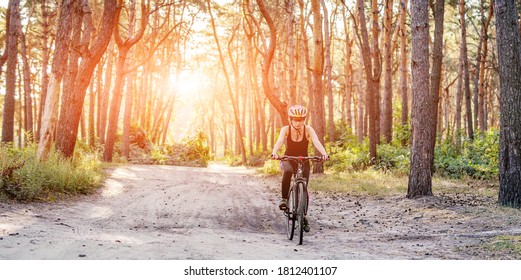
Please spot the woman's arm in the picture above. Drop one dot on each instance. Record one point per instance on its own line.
(314, 138)
(282, 136)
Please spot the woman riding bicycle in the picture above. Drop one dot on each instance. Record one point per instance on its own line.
(297, 136)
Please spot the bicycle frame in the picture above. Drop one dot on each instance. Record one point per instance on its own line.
(298, 197)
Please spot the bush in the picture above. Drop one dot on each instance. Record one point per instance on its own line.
(35, 180)
(271, 167)
(392, 158)
(192, 151)
(476, 159)
(349, 156)
(257, 160)
(139, 138)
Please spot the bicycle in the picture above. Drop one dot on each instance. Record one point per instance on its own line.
(297, 197)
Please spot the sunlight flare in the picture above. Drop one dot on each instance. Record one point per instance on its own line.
(188, 84)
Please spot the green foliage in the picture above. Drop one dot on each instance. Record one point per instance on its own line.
(393, 158)
(476, 159)
(192, 151)
(402, 134)
(232, 160)
(139, 137)
(505, 244)
(35, 180)
(346, 153)
(271, 167)
(349, 157)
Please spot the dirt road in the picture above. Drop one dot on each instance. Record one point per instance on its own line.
(166, 212)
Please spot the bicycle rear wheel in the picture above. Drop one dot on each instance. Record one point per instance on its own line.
(290, 213)
(301, 211)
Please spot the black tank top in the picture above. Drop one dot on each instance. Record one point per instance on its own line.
(297, 148)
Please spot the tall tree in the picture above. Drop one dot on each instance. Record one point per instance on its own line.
(377, 64)
(466, 75)
(47, 14)
(3, 57)
(435, 83)
(387, 100)
(104, 93)
(482, 122)
(328, 34)
(289, 7)
(74, 97)
(279, 105)
(318, 72)
(28, 100)
(509, 49)
(420, 176)
(10, 77)
(348, 71)
(59, 65)
(124, 46)
(371, 77)
(404, 67)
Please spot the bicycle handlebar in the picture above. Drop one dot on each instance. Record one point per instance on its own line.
(313, 158)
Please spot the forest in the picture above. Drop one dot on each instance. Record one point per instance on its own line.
(412, 87)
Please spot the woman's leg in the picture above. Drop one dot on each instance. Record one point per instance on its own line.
(305, 172)
(287, 169)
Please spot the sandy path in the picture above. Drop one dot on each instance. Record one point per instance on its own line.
(166, 212)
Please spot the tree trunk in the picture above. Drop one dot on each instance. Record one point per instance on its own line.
(466, 76)
(329, 69)
(387, 104)
(10, 76)
(279, 105)
(318, 121)
(435, 83)
(289, 6)
(70, 117)
(482, 81)
(509, 48)
(46, 30)
(377, 70)
(105, 95)
(404, 67)
(127, 115)
(420, 176)
(123, 47)
(475, 91)
(59, 64)
(3, 58)
(115, 105)
(348, 72)
(92, 113)
(372, 85)
(28, 103)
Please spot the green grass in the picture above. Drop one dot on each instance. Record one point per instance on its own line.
(50, 179)
(505, 244)
(488, 188)
(381, 183)
(368, 182)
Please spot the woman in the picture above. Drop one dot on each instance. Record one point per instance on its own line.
(297, 136)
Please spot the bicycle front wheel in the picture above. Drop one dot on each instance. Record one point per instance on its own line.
(301, 211)
(290, 213)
